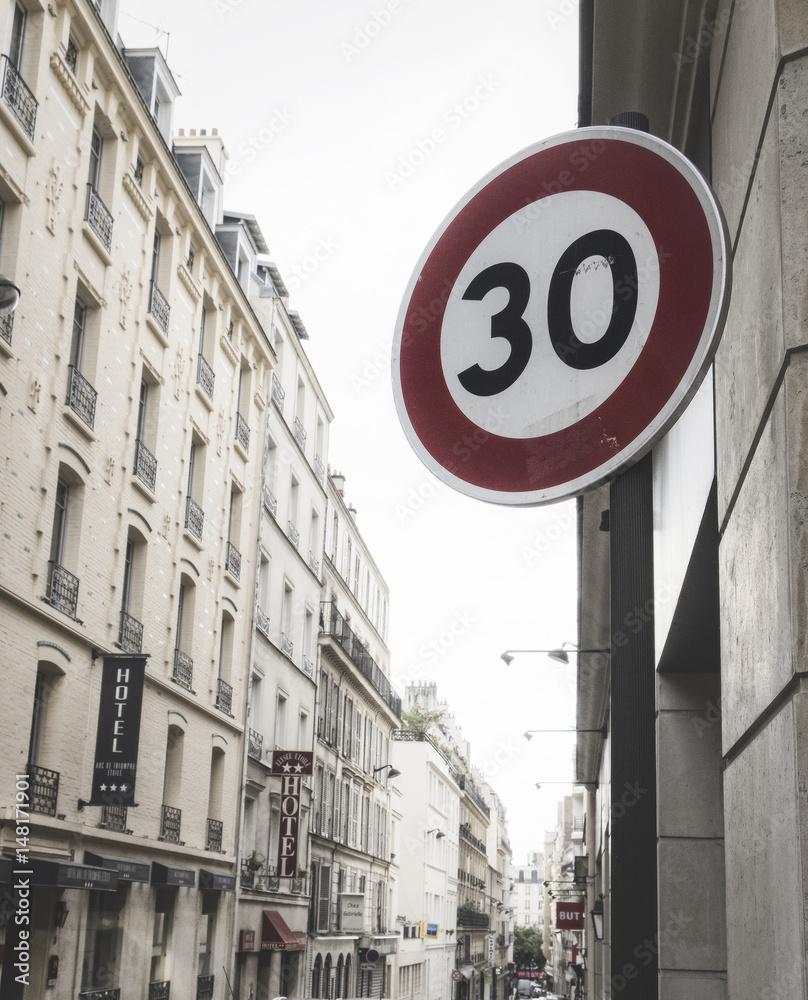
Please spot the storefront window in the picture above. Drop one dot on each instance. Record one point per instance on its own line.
(161, 936)
(103, 939)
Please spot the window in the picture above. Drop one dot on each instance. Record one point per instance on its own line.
(207, 933)
(205, 376)
(18, 25)
(162, 930)
(130, 637)
(215, 788)
(287, 646)
(81, 396)
(224, 690)
(63, 587)
(98, 215)
(233, 556)
(172, 785)
(194, 515)
(72, 53)
(103, 938)
(159, 308)
(280, 721)
(183, 636)
(146, 433)
(140, 166)
(243, 406)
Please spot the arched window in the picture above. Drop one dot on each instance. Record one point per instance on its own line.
(328, 986)
(339, 983)
(316, 976)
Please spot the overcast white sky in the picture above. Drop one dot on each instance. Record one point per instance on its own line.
(353, 127)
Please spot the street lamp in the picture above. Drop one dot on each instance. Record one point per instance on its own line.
(529, 732)
(392, 773)
(9, 295)
(597, 919)
(560, 655)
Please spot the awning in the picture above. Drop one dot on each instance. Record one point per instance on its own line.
(467, 971)
(128, 871)
(169, 875)
(213, 880)
(276, 936)
(69, 876)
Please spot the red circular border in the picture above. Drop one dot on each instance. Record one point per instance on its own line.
(675, 217)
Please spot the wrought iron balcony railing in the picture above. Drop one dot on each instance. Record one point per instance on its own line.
(170, 822)
(205, 377)
(183, 670)
(99, 218)
(471, 918)
(159, 307)
(262, 621)
(44, 790)
(107, 994)
(130, 636)
(19, 98)
(81, 396)
(145, 465)
(293, 534)
(242, 432)
(308, 666)
(215, 830)
(113, 818)
(160, 991)
(276, 393)
(6, 326)
(332, 623)
(287, 646)
(300, 433)
(319, 470)
(270, 502)
(255, 744)
(194, 518)
(224, 696)
(233, 561)
(63, 589)
(314, 564)
(204, 988)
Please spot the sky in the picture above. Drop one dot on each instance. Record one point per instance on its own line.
(353, 128)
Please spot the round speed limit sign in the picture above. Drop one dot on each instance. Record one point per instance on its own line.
(562, 317)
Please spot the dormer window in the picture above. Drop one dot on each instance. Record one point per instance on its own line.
(199, 158)
(156, 85)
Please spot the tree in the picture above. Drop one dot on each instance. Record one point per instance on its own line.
(527, 953)
(420, 719)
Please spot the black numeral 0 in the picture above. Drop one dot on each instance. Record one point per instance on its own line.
(507, 323)
(615, 249)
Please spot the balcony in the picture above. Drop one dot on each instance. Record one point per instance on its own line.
(99, 218)
(183, 670)
(215, 831)
(19, 98)
(270, 502)
(314, 564)
(170, 820)
(308, 666)
(293, 534)
(204, 988)
(109, 994)
(334, 625)
(262, 621)
(233, 561)
(81, 396)
(44, 790)
(319, 470)
(242, 432)
(130, 636)
(194, 518)
(160, 991)
(145, 465)
(113, 818)
(6, 326)
(276, 393)
(159, 308)
(471, 918)
(255, 745)
(287, 646)
(300, 434)
(63, 590)
(224, 697)
(205, 377)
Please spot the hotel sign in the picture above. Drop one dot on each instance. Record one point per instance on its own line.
(118, 731)
(291, 765)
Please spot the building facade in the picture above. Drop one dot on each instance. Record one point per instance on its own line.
(696, 831)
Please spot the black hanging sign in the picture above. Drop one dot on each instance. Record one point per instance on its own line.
(118, 734)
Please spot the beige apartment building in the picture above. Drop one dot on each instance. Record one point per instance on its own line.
(154, 482)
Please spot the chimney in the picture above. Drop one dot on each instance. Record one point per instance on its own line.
(338, 480)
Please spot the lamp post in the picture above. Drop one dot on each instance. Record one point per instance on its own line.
(9, 295)
(560, 654)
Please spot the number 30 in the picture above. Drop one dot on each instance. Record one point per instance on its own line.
(509, 323)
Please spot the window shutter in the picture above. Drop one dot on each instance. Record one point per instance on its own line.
(324, 898)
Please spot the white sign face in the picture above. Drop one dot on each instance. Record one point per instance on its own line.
(561, 317)
(352, 911)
